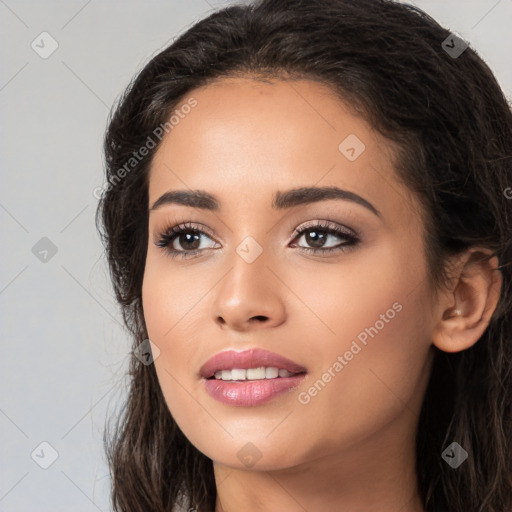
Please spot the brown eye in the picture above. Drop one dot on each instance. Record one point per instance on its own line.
(185, 236)
(318, 236)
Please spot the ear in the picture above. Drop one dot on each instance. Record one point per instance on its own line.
(467, 307)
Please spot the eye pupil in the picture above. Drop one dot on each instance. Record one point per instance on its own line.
(316, 242)
(185, 239)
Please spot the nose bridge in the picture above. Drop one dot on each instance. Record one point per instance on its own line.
(249, 272)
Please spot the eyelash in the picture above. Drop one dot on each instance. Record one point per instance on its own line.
(167, 237)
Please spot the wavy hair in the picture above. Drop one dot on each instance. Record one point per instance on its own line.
(452, 127)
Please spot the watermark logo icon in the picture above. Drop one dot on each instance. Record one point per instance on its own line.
(146, 352)
(351, 147)
(44, 250)
(454, 455)
(44, 455)
(249, 249)
(44, 45)
(454, 45)
(249, 455)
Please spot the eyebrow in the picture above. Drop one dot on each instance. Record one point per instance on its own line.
(280, 201)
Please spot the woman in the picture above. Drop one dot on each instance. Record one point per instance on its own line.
(308, 224)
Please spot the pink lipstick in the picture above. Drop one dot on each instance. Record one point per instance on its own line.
(249, 378)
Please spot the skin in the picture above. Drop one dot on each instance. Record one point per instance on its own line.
(244, 141)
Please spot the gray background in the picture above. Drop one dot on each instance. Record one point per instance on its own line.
(64, 351)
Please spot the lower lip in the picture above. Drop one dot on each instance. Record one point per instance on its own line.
(249, 393)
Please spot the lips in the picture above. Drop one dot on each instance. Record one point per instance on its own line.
(253, 358)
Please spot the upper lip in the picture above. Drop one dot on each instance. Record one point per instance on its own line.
(252, 358)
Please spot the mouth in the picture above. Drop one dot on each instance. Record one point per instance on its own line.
(250, 378)
(252, 364)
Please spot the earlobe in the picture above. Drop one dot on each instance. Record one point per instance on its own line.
(472, 302)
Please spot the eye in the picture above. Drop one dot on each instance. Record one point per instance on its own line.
(186, 235)
(318, 234)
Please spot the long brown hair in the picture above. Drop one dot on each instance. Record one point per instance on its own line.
(453, 127)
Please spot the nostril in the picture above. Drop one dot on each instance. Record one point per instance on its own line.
(259, 317)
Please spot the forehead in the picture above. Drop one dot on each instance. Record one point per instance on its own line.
(245, 139)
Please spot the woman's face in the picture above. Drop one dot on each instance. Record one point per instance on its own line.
(356, 314)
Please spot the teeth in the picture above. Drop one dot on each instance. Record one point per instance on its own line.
(252, 373)
(237, 374)
(271, 373)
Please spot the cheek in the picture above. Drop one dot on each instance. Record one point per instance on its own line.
(172, 305)
(374, 364)
(375, 381)
(341, 300)
(171, 297)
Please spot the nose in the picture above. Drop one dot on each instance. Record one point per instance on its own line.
(250, 296)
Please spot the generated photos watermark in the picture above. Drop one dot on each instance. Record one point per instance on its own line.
(304, 397)
(137, 156)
